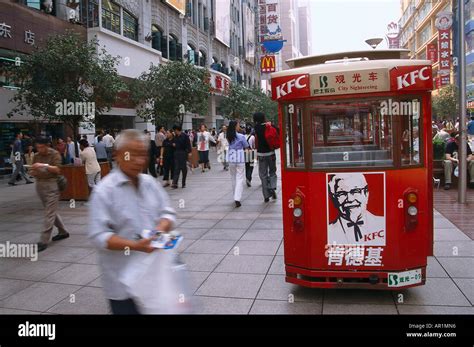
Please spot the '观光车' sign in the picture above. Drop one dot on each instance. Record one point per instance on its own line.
(351, 82)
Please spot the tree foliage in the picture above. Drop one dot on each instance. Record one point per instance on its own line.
(242, 102)
(445, 104)
(66, 68)
(165, 93)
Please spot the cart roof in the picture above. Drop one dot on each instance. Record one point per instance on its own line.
(325, 68)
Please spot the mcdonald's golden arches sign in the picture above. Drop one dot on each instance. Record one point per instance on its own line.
(268, 63)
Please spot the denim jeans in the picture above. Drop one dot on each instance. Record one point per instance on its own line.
(267, 173)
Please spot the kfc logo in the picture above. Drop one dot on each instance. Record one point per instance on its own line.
(297, 86)
(411, 77)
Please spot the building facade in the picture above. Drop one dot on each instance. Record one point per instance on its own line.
(419, 34)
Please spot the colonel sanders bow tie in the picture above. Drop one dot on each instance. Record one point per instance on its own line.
(357, 232)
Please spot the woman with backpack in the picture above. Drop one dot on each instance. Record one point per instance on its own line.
(250, 155)
(266, 141)
(236, 159)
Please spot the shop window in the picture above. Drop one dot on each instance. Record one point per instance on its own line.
(111, 16)
(130, 26)
(411, 134)
(90, 13)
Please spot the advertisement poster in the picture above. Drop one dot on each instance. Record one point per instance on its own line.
(178, 5)
(223, 21)
(356, 208)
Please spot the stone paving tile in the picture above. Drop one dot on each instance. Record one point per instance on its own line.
(467, 287)
(275, 288)
(17, 311)
(231, 285)
(268, 224)
(201, 262)
(92, 258)
(87, 300)
(195, 279)
(417, 309)
(434, 269)
(436, 292)
(249, 264)
(281, 249)
(241, 215)
(454, 248)
(224, 234)
(359, 309)
(65, 254)
(258, 247)
(458, 267)
(453, 234)
(40, 296)
(9, 287)
(216, 305)
(263, 235)
(76, 241)
(210, 246)
(357, 296)
(197, 223)
(184, 245)
(79, 274)
(96, 283)
(192, 233)
(283, 307)
(33, 270)
(233, 224)
(278, 266)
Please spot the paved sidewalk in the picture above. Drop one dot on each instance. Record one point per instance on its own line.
(251, 282)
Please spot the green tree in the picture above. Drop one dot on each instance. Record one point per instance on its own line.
(445, 104)
(165, 93)
(67, 70)
(242, 102)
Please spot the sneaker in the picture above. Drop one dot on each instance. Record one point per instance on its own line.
(266, 199)
(249, 184)
(11, 183)
(29, 182)
(166, 184)
(60, 237)
(174, 186)
(447, 186)
(274, 195)
(42, 246)
(183, 186)
(237, 204)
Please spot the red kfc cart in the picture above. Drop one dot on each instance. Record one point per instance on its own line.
(356, 169)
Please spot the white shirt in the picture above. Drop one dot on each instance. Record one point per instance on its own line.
(89, 159)
(203, 140)
(372, 228)
(108, 140)
(223, 143)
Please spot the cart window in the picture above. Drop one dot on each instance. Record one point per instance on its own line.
(351, 134)
(294, 144)
(411, 135)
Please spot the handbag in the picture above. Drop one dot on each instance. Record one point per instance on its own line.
(62, 182)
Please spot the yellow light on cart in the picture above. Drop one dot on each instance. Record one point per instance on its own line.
(412, 198)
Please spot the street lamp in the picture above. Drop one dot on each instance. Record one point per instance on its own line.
(373, 42)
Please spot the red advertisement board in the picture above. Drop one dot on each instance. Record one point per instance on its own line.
(290, 87)
(414, 77)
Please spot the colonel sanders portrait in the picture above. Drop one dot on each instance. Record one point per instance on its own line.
(349, 193)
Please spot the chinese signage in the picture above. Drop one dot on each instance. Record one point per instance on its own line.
(6, 33)
(443, 23)
(178, 5)
(393, 36)
(432, 52)
(219, 84)
(354, 255)
(268, 63)
(269, 20)
(350, 82)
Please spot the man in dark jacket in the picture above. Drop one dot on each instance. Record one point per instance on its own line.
(266, 159)
(182, 148)
(152, 155)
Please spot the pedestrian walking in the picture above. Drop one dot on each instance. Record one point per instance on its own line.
(203, 139)
(125, 203)
(100, 150)
(266, 155)
(222, 148)
(152, 155)
(236, 159)
(72, 151)
(89, 159)
(62, 149)
(182, 148)
(167, 158)
(250, 155)
(159, 138)
(46, 169)
(17, 161)
(109, 145)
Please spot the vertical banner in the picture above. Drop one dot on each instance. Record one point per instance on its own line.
(432, 52)
(443, 23)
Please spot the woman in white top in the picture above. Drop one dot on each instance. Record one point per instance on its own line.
(222, 148)
(203, 138)
(89, 159)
